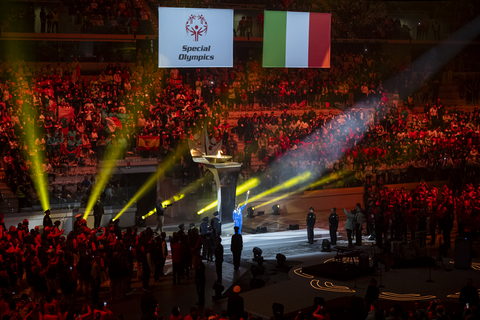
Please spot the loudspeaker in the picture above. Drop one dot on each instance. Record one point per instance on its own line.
(260, 213)
(326, 247)
(463, 253)
(261, 229)
(293, 227)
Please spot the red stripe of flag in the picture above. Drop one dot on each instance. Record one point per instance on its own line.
(319, 40)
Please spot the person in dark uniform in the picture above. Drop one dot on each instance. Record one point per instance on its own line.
(358, 224)
(77, 224)
(200, 282)
(98, 212)
(216, 224)
(333, 225)
(469, 294)
(236, 246)
(311, 218)
(47, 221)
(379, 226)
(235, 304)
(181, 230)
(219, 259)
(372, 293)
(203, 234)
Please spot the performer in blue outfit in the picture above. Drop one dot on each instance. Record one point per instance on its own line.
(237, 214)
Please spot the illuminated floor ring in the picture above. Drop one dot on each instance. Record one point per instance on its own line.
(300, 273)
(328, 286)
(404, 296)
(475, 265)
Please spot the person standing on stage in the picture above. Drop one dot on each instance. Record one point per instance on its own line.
(372, 293)
(200, 280)
(160, 215)
(358, 224)
(237, 215)
(204, 233)
(311, 218)
(333, 226)
(98, 212)
(216, 224)
(219, 259)
(349, 225)
(236, 246)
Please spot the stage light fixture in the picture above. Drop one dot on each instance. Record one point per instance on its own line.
(280, 259)
(275, 210)
(250, 212)
(261, 230)
(257, 253)
(326, 246)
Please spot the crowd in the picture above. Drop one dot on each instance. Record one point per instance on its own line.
(79, 118)
(44, 271)
(366, 20)
(99, 17)
(398, 215)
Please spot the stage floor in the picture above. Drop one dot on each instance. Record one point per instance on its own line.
(297, 290)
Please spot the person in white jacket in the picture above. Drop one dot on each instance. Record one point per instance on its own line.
(349, 225)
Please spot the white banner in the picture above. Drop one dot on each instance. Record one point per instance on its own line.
(195, 38)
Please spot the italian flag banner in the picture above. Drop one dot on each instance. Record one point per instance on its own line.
(296, 39)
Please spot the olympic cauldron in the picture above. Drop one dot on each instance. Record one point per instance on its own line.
(225, 173)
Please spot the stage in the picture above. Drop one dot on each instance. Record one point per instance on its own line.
(297, 289)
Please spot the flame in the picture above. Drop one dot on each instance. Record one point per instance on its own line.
(219, 154)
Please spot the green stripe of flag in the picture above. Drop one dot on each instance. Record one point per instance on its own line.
(274, 39)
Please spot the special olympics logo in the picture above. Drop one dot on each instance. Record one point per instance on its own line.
(196, 26)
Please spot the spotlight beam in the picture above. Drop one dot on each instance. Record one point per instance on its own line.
(287, 184)
(442, 53)
(36, 158)
(322, 181)
(105, 175)
(150, 183)
(250, 184)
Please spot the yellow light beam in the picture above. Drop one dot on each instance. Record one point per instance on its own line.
(104, 176)
(150, 183)
(179, 196)
(39, 178)
(287, 184)
(250, 184)
(322, 181)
